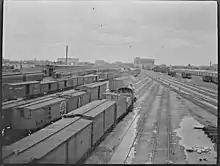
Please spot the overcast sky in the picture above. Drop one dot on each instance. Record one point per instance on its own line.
(171, 32)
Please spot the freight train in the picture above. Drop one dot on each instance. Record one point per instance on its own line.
(32, 116)
(71, 139)
(29, 89)
(207, 76)
(17, 115)
(39, 89)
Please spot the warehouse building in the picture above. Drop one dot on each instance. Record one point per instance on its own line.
(144, 63)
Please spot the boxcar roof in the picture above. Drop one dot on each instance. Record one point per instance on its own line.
(38, 136)
(96, 111)
(95, 84)
(37, 101)
(84, 109)
(74, 94)
(68, 92)
(44, 103)
(46, 146)
(24, 83)
(47, 81)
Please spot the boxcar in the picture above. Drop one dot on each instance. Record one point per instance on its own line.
(63, 146)
(5, 92)
(103, 76)
(53, 85)
(100, 121)
(44, 87)
(34, 77)
(68, 82)
(116, 83)
(96, 89)
(75, 81)
(37, 137)
(12, 78)
(61, 84)
(88, 79)
(22, 89)
(75, 100)
(121, 103)
(84, 109)
(80, 80)
(36, 115)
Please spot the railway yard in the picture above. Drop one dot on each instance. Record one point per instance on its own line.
(173, 121)
(161, 128)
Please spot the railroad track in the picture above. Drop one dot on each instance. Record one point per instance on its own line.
(169, 131)
(195, 93)
(207, 103)
(197, 86)
(164, 110)
(203, 91)
(143, 115)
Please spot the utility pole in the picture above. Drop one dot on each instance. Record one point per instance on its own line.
(66, 53)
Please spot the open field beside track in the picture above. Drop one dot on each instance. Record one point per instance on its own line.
(161, 127)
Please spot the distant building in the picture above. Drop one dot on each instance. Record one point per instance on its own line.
(144, 63)
(100, 62)
(70, 61)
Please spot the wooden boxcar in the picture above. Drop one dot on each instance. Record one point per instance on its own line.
(37, 137)
(84, 109)
(95, 89)
(36, 115)
(76, 100)
(121, 102)
(12, 78)
(68, 82)
(34, 77)
(97, 115)
(52, 85)
(64, 147)
(22, 89)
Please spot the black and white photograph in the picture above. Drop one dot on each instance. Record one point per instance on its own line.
(109, 82)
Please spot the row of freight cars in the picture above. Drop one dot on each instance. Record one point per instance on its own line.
(162, 69)
(15, 114)
(207, 76)
(69, 140)
(21, 77)
(30, 89)
(21, 119)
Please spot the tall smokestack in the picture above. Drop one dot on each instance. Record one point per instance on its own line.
(66, 53)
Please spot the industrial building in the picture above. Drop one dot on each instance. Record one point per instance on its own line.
(144, 63)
